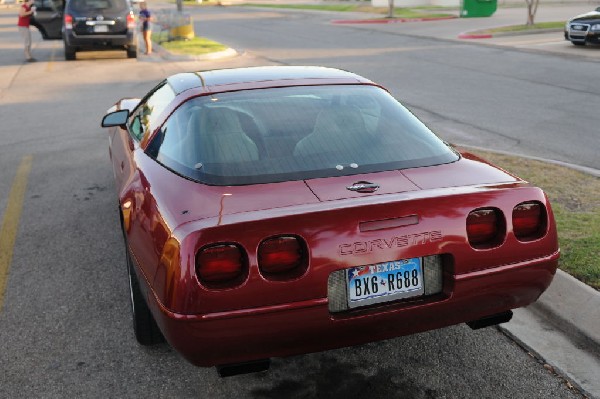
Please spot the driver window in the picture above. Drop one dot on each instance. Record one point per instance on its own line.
(146, 116)
(135, 128)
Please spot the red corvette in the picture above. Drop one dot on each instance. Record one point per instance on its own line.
(276, 211)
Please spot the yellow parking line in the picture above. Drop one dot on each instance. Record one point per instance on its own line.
(10, 224)
(50, 63)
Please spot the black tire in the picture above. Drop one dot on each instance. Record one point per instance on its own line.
(144, 326)
(579, 43)
(69, 53)
(132, 52)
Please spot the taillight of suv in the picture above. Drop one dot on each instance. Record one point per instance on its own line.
(68, 21)
(130, 21)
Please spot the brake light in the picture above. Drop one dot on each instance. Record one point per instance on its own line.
(485, 227)
(529, 221)
(68, 21)
(130, 21)
(219, 263)
(280, 255)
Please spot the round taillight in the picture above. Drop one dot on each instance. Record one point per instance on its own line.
(219, 263)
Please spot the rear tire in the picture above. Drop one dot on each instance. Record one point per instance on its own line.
(144, 326)
(132, 52)
(69, 52)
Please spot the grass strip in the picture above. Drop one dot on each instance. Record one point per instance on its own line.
(524, 28)
(194, 46)
(400, 12)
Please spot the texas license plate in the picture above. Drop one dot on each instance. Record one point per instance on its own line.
(101, 28)
(384, 282)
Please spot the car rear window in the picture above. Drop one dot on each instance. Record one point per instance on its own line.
(294, 133)
(104, 5)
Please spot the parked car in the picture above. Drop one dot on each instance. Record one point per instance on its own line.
(584, 28)
(99, 25)
(276, 211)
(48, 18)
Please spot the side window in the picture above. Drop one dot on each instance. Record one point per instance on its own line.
(136, 129)
(147, 113)
(52, 5)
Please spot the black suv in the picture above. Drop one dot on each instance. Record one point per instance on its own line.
(99, 25)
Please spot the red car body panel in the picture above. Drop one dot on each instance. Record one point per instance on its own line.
(416, 212)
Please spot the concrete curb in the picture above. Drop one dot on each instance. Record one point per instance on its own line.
(478, 35)
(562, 329)
(468, 35)
(573, 305)
(388, 20)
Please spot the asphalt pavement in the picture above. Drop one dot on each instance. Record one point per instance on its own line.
(562, 329)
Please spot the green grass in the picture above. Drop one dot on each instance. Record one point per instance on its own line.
(523, 28)
(320, 7)
(195, 46)
(575, 199)
(413, 12)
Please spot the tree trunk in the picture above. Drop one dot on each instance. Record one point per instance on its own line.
(390, 9)
(532, 6)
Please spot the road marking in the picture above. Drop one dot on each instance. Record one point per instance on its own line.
(10, 224)
(51, 60)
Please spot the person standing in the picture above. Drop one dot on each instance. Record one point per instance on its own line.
(146, 17)
(25, 12)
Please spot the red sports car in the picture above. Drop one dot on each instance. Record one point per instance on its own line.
(275, 211)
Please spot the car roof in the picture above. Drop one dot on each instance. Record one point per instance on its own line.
(215, 81)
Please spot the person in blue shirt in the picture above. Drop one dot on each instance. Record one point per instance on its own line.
(146, 17)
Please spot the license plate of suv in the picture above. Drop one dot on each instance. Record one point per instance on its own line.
(100, 28)
(384, 282)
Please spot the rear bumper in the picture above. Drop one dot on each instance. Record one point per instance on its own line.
(99, 42)
(297, 328)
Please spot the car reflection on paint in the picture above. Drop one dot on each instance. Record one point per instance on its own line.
(276, 211)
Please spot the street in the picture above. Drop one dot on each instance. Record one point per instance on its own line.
(65, 324)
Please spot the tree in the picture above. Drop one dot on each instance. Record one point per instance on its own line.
(532, 6)
(391, 9)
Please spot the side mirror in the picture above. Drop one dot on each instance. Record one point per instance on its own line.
(117, 118)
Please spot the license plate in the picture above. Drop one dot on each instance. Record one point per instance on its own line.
(101, 28)
(384, 282)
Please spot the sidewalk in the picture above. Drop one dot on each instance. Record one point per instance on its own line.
(563, 329)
